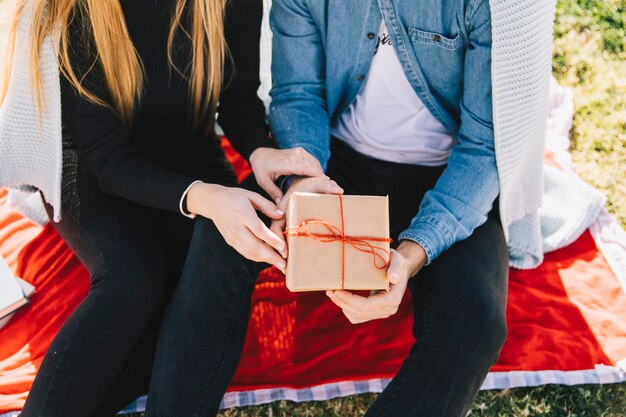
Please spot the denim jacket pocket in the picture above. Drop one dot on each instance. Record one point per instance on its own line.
(418, 35)
(440, 57)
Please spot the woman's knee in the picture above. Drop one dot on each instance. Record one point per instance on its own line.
(213, 267)
(132, 280)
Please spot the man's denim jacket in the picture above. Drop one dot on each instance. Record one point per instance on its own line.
(322, 50)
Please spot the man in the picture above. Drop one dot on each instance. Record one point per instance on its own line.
(395, 98)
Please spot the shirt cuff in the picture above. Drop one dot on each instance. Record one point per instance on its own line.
(285, 181)
(429, 234)
(182, 204)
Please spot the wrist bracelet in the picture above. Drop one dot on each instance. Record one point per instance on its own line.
(182, 204)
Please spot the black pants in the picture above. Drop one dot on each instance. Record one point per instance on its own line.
(166, 313)
(458, 300)
(102, 358)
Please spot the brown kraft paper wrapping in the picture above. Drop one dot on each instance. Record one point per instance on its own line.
(318, 255)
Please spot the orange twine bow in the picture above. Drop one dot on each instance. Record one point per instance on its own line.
(336, 234)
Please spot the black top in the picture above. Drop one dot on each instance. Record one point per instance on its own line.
(155, 160)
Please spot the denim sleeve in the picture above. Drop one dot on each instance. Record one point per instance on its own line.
(468, 187)
(298, 112)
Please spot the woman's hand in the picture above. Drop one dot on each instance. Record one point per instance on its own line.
(268, 164)
(233, 210)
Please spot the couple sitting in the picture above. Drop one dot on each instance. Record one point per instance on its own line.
(374, 98)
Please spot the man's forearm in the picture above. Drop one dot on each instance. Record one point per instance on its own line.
(415, 255)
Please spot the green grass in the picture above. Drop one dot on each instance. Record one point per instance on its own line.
(590, 58)
(546, 401)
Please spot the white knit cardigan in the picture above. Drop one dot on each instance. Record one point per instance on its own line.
(30, 146)
(30, 140)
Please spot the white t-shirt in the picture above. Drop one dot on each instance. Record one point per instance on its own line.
(388, 121)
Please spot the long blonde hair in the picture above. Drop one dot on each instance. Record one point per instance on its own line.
(116, 55)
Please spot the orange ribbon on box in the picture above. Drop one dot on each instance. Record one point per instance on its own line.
(336, 234)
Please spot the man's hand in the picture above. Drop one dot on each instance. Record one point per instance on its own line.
(268, 164)
(320, 185)
(406, 261)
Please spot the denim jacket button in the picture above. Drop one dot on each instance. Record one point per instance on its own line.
(437, 38)
(371, 35)
(360, 77)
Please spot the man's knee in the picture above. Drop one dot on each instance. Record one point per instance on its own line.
(483, 323)
(471, 280)
(495, 330)
(467, 312)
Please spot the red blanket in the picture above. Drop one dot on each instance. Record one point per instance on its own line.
(567, 315)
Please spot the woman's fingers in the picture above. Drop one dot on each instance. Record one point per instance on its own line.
(278, 227)
(262, 232)
(265, 206)
(257, 250)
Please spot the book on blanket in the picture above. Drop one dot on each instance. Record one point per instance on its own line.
(14, 293)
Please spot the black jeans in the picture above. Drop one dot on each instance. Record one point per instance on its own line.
(166, 313)
(458, 300)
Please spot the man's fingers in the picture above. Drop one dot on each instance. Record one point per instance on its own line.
(383, 303)
(324, 186)
(391, 298)
(360, 303)
(307, 158)
(339, 303)
(333, 188)
(351, 318)
(346, 299)
(262, 232)
(302, 168)
(270, 188)
(297, 161)
(397, 267)
(355, 316)
(395, 294)
(360, 320)
(379, 305)
(351, 309)
(265, 206)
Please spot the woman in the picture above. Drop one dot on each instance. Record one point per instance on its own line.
(169, 300)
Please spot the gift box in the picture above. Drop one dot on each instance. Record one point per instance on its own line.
(337, 242)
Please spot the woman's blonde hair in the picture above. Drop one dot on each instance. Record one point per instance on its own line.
(116, 55)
